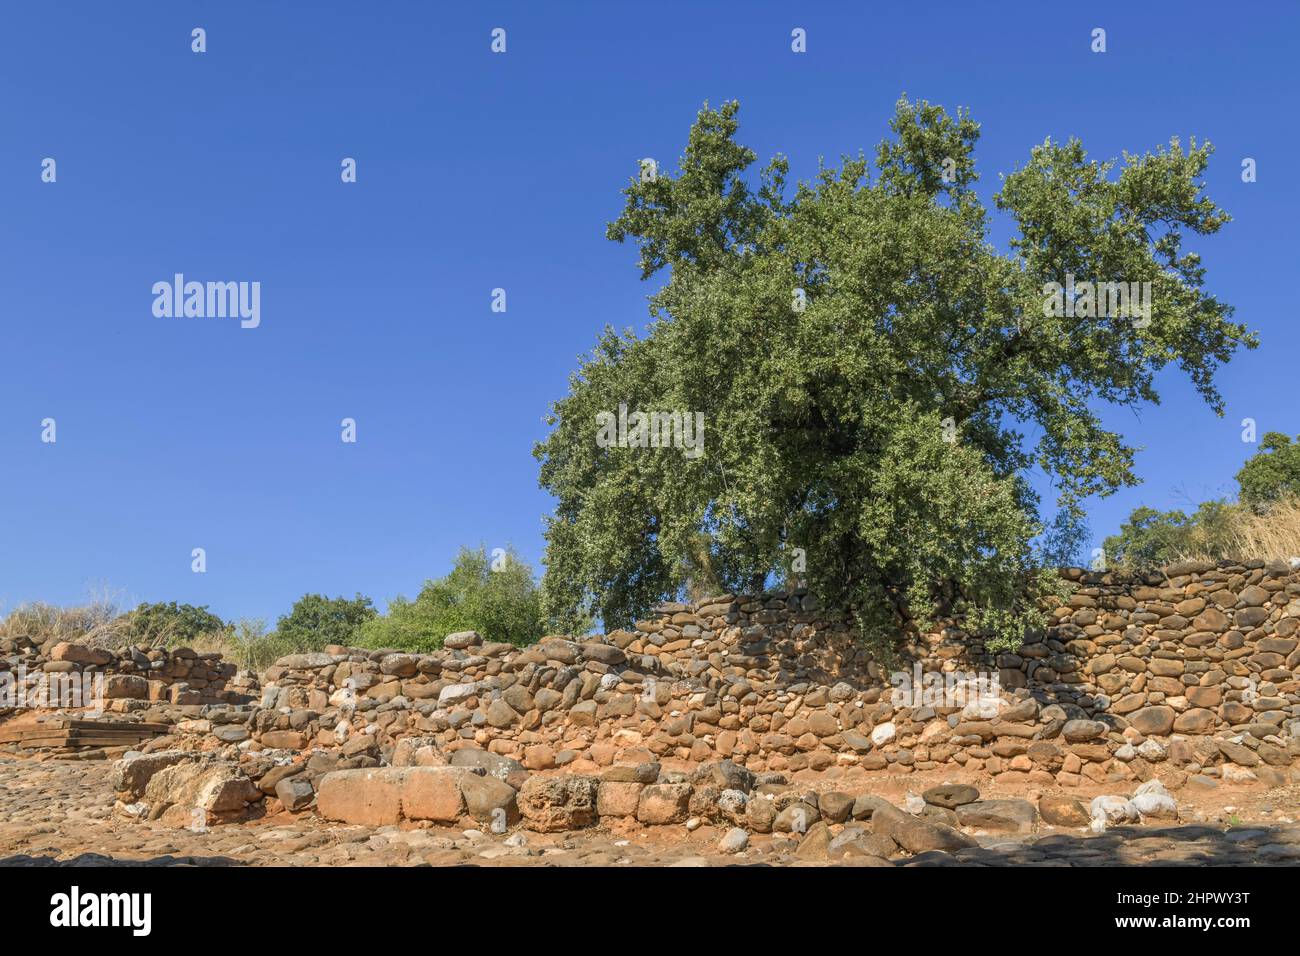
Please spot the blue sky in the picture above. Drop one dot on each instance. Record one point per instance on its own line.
(478, 171)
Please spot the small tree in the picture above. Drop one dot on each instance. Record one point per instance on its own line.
(1272, 473)
(1152, 539)
(1218, 528)
(316, 621)
(1149, 539)
(172, 624)
(497, 597)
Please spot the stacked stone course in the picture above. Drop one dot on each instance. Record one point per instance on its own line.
(774, 682)
(133, 677)
(1185, 674)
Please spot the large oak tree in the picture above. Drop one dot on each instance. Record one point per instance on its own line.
(885, 428)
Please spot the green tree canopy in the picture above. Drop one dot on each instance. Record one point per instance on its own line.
(315, 621)
(1153, 539)
(172, 624)
(1272, 473)
(496, 596)
(881, 428)
(1149, 539)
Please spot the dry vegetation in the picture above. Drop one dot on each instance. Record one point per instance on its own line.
(1273, 535)
(101, 622)
(1243, 534)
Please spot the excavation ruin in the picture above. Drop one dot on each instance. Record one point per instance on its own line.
(1156, 707)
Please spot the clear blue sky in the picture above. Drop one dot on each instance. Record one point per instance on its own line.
(479, 171)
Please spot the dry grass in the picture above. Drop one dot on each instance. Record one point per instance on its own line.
(247, 644)
(101, 622)
(1244, 535)
(98, 623)
(1274, 535)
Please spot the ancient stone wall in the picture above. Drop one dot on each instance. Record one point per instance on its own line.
(133, 677)
(1185, 674)
(1194, 649)
(774, 682)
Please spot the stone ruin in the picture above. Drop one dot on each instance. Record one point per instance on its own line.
(705, 712)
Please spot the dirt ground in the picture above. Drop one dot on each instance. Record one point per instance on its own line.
(60, 812)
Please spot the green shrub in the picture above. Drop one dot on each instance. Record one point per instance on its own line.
(250, 646)
(496, 597)
(316, 621)
(1261, 524)
(172, 624)
(1272, 474)
(1153, 539)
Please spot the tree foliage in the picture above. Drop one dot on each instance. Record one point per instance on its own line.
(1272, 473)
(881, 429)
(1153, 539)
(1218, 528)
(497, 597)
(1064, 540)
(316, 621)
(172, 624)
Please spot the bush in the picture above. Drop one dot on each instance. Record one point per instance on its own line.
(249, 645)
(1153, 539)
(496, 597)
(172, 625)
(1265, 524)
(98, 622)
(316, 621)
(1272, 474)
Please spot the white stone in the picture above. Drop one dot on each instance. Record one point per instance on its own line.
(983, 708)
(343, 697)
(1153, 800)
(734, 841)
(1111, 809)
(455, 693)
(733, 801)
(1152, 750)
